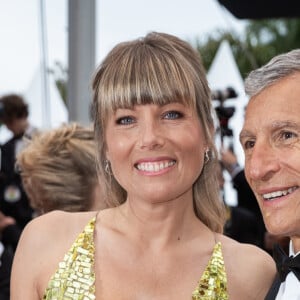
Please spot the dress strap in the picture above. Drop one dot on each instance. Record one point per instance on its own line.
(97, 216)
(215, 237)
(75, 276)
(213, 283)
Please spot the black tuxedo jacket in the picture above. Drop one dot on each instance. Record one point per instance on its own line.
(19, 210)
(246, 199)
(274, 289)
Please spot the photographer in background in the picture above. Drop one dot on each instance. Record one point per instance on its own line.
(243, 220)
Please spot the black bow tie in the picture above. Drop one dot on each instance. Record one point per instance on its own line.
(286, 264)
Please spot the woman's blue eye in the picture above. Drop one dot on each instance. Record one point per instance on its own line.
(125, 120)
(172, 115)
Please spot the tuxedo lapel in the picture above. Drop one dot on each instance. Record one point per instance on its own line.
(273, 289)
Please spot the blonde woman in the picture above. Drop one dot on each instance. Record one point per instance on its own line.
(58, 170)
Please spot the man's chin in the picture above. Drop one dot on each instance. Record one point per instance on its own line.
(277, 229)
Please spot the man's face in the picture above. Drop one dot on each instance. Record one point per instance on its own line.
(17, 125)
(271, 141)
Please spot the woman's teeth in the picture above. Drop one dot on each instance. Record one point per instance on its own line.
(154, 166)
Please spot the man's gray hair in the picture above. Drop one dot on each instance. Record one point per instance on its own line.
(276, 69)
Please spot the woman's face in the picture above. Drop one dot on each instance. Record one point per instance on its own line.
(156, 152)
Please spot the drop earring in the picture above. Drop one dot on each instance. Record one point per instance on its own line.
(206, 156)
(107, 168)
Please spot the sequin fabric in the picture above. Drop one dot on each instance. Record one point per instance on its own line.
(213, 283)
(75, 277)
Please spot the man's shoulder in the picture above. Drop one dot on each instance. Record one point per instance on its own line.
(8, 143)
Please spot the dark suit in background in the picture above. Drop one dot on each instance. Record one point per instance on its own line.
(13, 199)
(247, 200)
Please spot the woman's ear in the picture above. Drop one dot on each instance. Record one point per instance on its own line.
(107, 156)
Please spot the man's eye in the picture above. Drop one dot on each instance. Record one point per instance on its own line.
(287, 135)
(125, 120)
(173, 115)
(249, 144)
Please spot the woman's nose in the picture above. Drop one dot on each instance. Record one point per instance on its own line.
(151, 135)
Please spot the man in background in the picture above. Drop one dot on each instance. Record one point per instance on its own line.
(13, 200)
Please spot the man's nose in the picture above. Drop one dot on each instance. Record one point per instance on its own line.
(262, 163)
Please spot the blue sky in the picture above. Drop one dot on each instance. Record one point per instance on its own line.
(117, 21)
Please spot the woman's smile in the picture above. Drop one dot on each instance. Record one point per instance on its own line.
(155, 167)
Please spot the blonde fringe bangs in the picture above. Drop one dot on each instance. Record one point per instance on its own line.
(147, 77)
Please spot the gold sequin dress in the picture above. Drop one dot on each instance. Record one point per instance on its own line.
(75, 276)
(213, 283)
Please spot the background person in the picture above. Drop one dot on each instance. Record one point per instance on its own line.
(13, 199)
(58, 170)
(157, 162)
(9, 236)
(270, 139)
(15, 211)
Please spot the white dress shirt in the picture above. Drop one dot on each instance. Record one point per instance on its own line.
(290, 288)
(20, 144)
(1, 251)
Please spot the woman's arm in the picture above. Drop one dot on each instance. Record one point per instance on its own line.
(25, 269)
(42, 245)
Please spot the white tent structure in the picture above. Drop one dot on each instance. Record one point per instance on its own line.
(222, 74)
(57, 113)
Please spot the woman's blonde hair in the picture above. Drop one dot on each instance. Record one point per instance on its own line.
(160, 69)
(58, 168)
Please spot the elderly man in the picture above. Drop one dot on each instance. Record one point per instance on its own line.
(271, 141)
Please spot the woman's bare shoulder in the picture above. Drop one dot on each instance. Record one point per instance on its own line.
(43, 244)
(56, 223)
(243, 250)
(249, 267)
(53, 230)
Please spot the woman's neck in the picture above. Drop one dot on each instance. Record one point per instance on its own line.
(161, 224)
